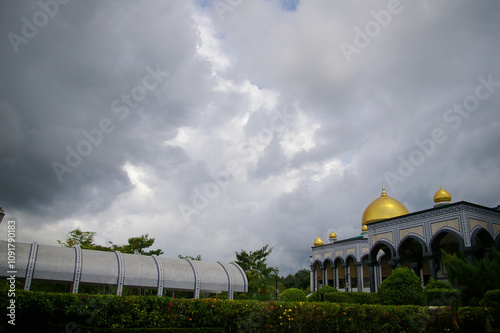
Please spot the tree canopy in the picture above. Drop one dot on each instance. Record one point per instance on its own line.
(135, 245)
(300, 280)
(254, 260)
(197, 258)
(476, 278)
(261, 282)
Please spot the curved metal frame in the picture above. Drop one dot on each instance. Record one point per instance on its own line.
(31, 265)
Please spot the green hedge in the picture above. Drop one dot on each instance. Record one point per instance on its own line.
(316, 296)
(472, 319)
(491, 301)
(443, 297)
(492, 298)
(51, 328)
(129, 312)
(293, 295)
(352, 298)
(437, 284)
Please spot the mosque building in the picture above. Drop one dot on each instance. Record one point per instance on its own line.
(392, 237)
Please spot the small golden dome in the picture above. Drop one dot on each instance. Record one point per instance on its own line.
(442, 195)
(364, 228)
(383, 208)
(332, 235)
(319, 242)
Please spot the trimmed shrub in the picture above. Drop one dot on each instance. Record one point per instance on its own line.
(443, 297)
(352, 298)
(316, 296)
(472, 319)
(492, 298)
(491, 301)
(437, 284)
(293, 295)
(402, 287)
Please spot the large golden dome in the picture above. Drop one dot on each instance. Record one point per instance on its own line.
(383, 208)
(442, 195)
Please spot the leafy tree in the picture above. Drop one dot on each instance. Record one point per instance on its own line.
(136, 245)
(83, 238)
(402, 287)
(253, 260)
(261, 281)
(300, 280)
(197, 258)
(476, 278)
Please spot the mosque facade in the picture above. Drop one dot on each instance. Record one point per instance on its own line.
(392, 237)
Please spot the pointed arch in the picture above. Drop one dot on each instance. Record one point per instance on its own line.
(481, 242)
(444, 235)
(384, 246)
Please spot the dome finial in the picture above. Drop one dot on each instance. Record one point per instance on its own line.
(384, 194)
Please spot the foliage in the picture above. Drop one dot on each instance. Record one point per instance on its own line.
(136, 245)
(293, 295)
(197, 258)
(253, 260)
(300, 280)
(472, 319)
(83, 238)
(401, 287)
(443, 297)
(352, 298)
(473, 278)
(261, 280)
(127, 313)
(437, 284)
(316, 296)
(441, 293)
(492, 298)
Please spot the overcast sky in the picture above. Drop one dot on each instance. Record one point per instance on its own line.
(216, 126)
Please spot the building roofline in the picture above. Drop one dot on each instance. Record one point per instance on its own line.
(458, 203)
(355, 238)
